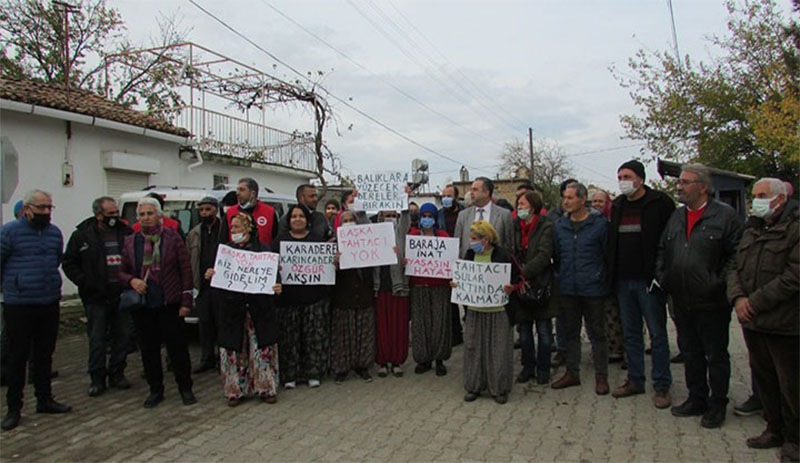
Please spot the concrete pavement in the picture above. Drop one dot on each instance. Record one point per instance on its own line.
(414, 418)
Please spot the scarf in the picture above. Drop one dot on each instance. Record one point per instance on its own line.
(527, 229)
(151, 258)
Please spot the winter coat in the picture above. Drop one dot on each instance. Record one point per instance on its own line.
(581, 256)
(29, 260)
(694, 270)
(537, 266)
(194, 242)
(767, 272)
(85, 260)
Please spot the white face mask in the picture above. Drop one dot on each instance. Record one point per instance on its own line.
(761, 207)
(238, 237)
(356, 206)
(626, 187)
(348, 224)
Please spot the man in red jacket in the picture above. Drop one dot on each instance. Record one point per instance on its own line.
(264, 216)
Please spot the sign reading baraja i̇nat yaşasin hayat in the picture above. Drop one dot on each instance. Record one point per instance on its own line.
(368, 245)
(382, 191)
(245, 271)
(307, 263)
(430, 256)
(480, 284)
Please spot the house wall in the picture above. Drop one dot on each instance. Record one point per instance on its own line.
(41, 144)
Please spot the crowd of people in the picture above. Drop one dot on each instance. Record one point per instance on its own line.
(618, 266)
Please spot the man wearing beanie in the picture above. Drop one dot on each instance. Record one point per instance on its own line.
(638, 216)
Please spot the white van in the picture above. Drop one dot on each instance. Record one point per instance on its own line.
(180, 203)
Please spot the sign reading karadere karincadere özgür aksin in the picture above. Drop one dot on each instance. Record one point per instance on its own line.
(382, 191)
(307, 263)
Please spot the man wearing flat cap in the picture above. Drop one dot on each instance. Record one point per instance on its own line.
(638, 216)
(202, 242)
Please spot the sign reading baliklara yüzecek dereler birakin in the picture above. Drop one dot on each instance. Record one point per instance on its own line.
(307, 263)
(368, 245)
(245, 271)
(382, 191)
(480, 284)
(430, 256)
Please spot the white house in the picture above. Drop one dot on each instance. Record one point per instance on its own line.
(80, 146)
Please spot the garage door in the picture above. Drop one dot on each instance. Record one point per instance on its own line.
(121, 181)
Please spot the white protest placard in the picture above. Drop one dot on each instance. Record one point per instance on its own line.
(480, 284)
(383, 191)
(307, 263)
(245, 271)
(430, 256)
(368, 245)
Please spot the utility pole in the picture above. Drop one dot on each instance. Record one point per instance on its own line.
(674, 35)
(530, 150)
(67, 9)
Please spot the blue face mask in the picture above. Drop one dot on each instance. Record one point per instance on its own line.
(427, 222)
(447, 202)
(476, 246)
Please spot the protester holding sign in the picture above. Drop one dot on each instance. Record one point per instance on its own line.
(391, 305)
(534, 235)
(247, 330)
(430, 305)
(304, 315)
(352, 319)
(488, 339)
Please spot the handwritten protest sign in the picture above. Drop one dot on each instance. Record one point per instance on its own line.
(307, 263)
(245, 271)
(382, 191)
(367, 245)
(431, 256)
(480, 284)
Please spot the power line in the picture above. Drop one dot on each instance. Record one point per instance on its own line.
(340, 100)
(603, 150)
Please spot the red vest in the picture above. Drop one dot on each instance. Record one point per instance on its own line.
(264, 218)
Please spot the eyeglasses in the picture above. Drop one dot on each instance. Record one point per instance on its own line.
(687, 182)
(43, 206)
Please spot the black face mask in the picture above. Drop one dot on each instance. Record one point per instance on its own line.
(208, 220)
(414, 217)
(111, 222)
(40, 220)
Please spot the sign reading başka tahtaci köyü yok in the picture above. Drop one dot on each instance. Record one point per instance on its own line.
(430, 256)
(382, 191)
(245, 271)
(368, 245)
(307, 263)
(480, 284)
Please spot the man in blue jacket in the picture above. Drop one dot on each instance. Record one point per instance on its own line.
(580, 248)
(30, 253)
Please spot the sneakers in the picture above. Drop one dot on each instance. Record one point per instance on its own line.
(766, 440)
(601, 385)
(364, 375)
(312, 383)
(11, 420)
(290, 385)
(568, 380)
(713, 418)
(397, 371)
(662, 399)
(689, 408)
(339, 378)
(383, 371)
(97, 389)
(751, 406)
(627, 389)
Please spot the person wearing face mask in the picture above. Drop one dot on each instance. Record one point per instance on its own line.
(413, 214)
(430, 307)
(30, 253)
(695, 255)
(638, 217)
(331, 211)
(488, 336)
(446, 220)
(248, 330)
(763, 287)
(202, 242)
(264, 216)
(92, 261)
(156, 265)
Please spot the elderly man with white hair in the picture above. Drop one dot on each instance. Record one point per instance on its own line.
(763, 287)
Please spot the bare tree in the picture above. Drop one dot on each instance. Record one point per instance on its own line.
(551, 166)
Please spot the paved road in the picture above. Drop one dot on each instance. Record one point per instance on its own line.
(414, 418)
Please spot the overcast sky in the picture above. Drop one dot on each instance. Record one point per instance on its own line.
(486, 70)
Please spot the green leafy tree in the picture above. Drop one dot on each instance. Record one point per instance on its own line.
(738, 112)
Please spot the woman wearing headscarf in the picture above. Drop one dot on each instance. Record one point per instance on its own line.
(352, 319)
(430, 307)
(304, 313)
(488, 338)
(247, 330)
(155, 263)
(534, 236)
